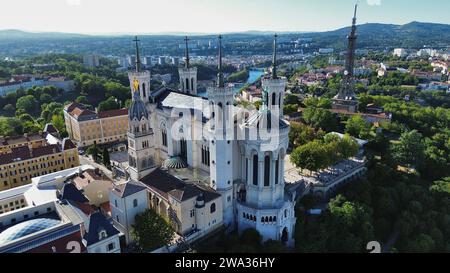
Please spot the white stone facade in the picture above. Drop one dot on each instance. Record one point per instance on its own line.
(178, 122)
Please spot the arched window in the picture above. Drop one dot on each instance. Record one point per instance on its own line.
(164, 137)
(220, 110)
(143, 90)
(270, 219)
(192, 84)
(187, 85)
(246, 169)
(274, 218)
(255, 170)
(135, 203)
(285, 213)
(273, 99)
(266, 219)
(183, 149)
(212, 209)
(267, 171)
(262, 219)
(277, 169)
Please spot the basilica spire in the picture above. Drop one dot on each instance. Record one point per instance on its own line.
(186, 40)
(220, 81)
(138, 58)
(274, 60)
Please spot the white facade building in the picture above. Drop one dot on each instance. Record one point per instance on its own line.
(211, 136)
(400, 52)
(127, 201)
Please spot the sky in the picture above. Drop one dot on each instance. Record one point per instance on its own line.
(210, 16)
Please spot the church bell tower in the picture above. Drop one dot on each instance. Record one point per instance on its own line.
(188, 74)
(141, 148)
(221, 144)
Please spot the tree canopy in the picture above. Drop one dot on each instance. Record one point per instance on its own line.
(151, 231)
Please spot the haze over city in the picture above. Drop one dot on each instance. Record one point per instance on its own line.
(202, 16)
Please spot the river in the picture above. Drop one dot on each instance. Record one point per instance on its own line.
(254, 75)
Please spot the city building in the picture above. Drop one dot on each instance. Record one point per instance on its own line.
(326, 50)
(175, 61)
(441, 66)
(236, 183)
(86, 127)
(25, 157)
(252, 94)
(162, 60)
(91, 60)
(19, 83)
(126, 201)
(400, 52)
(28, 81)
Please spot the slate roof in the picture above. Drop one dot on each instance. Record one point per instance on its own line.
(166, 184)
(169, 98)
(49, 128)
(71, 193)
(97, 223)
(67, 144)
(127, 189)
(137, 109)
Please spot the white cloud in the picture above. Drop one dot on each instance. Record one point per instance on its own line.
(374, 2)
(73, 2)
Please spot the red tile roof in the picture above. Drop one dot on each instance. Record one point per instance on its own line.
(113, 113)
(59, 245)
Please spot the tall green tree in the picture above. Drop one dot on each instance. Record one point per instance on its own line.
(410, 149)
(27, 103)
(358, 127)
(151, 231)
(105, 158)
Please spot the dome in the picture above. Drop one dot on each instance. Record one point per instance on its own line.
(175, 163)
(137, 108)
(26, 228)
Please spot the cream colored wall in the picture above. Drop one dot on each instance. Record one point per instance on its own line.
(20, 173)
(98, 192)
(16, 202)
(106, 130)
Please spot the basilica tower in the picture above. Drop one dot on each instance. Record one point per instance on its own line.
(274, 86)
(188, 74)
(221, 146)
(140, 134)
(262, 204)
